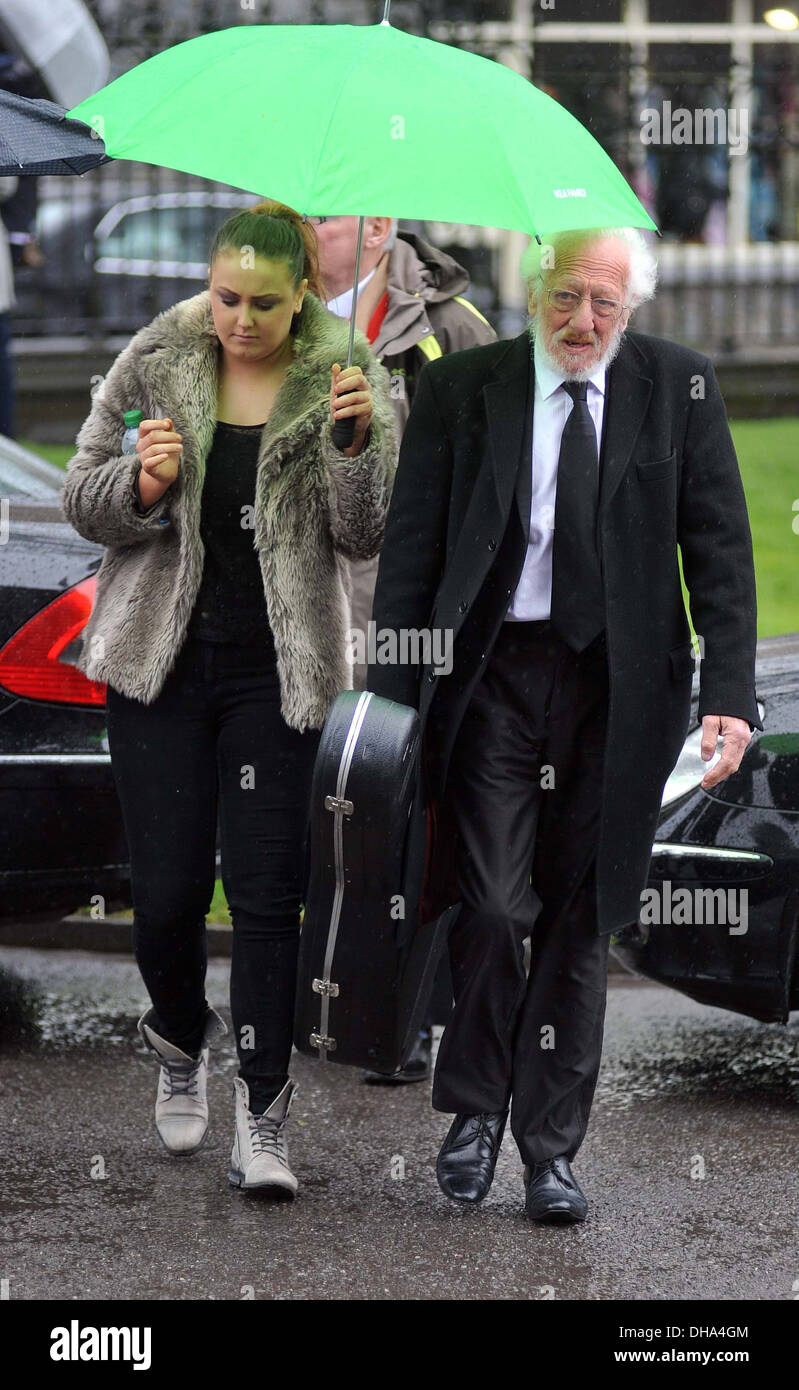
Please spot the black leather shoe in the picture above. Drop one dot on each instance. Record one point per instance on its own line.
(553, 1192)
(468, 1157)
(417, 1067)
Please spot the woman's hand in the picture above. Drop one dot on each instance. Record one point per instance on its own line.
(351, 396)
(159, 450)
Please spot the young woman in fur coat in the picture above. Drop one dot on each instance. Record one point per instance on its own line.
(220, 627)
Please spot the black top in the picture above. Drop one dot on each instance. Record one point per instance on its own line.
(230, 605)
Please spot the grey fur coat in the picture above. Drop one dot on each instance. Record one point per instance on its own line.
(315, 508)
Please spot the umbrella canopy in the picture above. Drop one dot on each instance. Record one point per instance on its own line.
(348, 120)
(36, 137)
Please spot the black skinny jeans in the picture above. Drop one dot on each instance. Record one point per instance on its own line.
(214, 741)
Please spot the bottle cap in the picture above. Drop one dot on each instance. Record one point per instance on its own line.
(133, 418)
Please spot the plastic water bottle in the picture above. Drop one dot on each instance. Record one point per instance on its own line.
(130, 438)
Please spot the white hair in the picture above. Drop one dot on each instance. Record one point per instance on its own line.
(642, 276)
(391, 239)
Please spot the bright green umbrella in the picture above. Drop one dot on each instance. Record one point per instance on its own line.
(347, 120)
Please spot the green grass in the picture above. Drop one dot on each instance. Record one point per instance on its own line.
(59, 454)
(768, 453)
(220, 911)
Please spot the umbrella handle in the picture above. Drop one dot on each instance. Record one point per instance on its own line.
(343, 432)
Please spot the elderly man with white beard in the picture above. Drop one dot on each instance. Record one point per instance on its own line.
(543, 489)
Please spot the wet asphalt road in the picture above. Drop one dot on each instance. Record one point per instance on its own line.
(682, 1087)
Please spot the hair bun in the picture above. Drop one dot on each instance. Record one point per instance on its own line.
(301, 252)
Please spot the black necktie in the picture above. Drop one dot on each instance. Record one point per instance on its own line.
(578, 609)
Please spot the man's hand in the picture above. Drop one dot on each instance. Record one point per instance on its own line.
(735, 734)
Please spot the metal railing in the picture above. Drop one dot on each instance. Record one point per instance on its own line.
(737, 301)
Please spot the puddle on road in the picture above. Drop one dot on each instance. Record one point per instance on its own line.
(59, 1001)
(34, 1017)
(21, 1005)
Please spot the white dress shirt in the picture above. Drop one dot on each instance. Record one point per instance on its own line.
(341, 304)
(532, 597)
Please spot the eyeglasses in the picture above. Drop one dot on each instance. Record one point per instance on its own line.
(317, 221)
(566, 301)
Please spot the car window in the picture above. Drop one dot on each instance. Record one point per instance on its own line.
(134, 237)
(23, 474)
(163, 234)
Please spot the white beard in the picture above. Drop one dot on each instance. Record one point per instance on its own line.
(576, 373)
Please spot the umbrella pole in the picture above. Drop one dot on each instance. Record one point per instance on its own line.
(355, 291)
(344, 430)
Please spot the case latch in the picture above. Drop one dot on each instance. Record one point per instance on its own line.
(328, 987)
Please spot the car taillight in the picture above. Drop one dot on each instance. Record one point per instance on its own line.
(32, 662)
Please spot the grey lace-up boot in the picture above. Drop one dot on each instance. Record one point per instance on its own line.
(181, 1107)
(260, 1159)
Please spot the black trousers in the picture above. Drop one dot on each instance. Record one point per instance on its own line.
(524, 788)
(214, 743)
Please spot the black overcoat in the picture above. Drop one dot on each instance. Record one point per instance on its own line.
(455, 543)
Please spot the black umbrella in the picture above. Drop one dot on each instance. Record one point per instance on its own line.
(37, 137)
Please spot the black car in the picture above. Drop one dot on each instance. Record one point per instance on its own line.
(720, 919)
(61, 838)
(120, 262)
